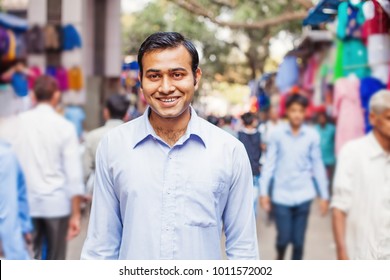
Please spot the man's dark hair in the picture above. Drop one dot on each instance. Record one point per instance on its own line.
(44, 88)
(228, 119)
(168, 40)
(117, 105)
(297, 99)
(248, 118)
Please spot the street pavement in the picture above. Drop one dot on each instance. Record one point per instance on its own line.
(319, 241)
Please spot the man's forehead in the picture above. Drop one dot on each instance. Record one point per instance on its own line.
(172, 57)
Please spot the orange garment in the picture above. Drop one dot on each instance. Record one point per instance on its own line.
(75, 78)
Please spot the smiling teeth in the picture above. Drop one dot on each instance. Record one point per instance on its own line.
(169, 100)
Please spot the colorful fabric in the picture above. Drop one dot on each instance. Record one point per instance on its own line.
(71, 38)
(75, 78)
(368, 87)
(62, 78)
(288, 74)
(20, 84)
(327, 141)
(379, 24)
(350, 21)
(348, 110)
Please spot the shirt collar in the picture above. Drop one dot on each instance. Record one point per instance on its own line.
(288, 130)
(146, 131)
(375, 148)
(113, 123)
(44, 107)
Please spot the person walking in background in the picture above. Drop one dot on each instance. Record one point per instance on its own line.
(15, 220)
(114, 114)
(48, 151)
(226, 124)
(168, 182)
(251, 138)
(293, 159)
(361, 199)
(327, 132)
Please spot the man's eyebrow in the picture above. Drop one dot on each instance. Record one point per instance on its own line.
(177, 69)
(153, 70)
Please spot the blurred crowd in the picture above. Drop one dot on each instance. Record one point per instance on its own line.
(47, 167)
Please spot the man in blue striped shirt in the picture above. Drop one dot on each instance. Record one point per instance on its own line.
(168, 182)
(293, 159)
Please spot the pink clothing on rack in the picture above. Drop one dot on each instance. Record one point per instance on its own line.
(35, 72)
(348, 111)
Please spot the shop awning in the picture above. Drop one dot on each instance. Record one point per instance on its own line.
(324, 11)
(13, 22)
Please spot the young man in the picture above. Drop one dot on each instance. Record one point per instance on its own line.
(250, 137)
(293, 160)
(15, 220)
(48, 150)
(361, 200)
(114, 114)
(168, 181)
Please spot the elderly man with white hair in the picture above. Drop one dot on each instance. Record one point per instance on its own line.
(361, 201)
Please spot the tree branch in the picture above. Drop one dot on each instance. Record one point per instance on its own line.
(306, 3)
(194, 8)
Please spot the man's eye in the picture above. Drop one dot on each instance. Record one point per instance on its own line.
(153, 76)
(177, 75)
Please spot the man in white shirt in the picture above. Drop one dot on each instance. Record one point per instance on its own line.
(361, 201)
(48, 151)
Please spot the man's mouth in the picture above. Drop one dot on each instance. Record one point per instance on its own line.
(168, 100)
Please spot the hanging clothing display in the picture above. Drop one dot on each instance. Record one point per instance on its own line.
(20, 84)
(62, 78)
(51, 38)
(288, 74)
(35, 40)
(75, 78)
(349, 29)
(368, 87)
(71, 38)
(348, 110)
(377, 20)
(379, 56)
(11, 54)
(35, 72)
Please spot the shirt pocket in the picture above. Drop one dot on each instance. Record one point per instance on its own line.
(201, 203)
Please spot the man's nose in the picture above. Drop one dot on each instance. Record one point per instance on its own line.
(166, 86)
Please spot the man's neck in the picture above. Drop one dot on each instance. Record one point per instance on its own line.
(170, 129)
(295, 129)
(383, 142)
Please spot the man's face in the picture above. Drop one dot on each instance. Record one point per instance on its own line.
(168, 82)
(381, 123)
(296, 114)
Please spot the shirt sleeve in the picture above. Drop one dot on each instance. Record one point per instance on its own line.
(24, 211)
(238, 217)
(342, 185)
(105, 225)
(319, 172)
(88, 159)
(72, 164)
(269, 166)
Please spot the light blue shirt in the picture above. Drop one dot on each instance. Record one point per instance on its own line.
(152, 201)
(294, 161)
(14, 212)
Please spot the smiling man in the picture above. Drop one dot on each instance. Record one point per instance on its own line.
(168, 182)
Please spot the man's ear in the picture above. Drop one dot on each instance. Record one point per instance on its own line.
(140, 78)
(198, 76)
(373, 118)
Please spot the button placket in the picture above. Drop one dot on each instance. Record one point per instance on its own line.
(168, 208)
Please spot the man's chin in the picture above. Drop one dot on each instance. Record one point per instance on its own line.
(169, 113)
